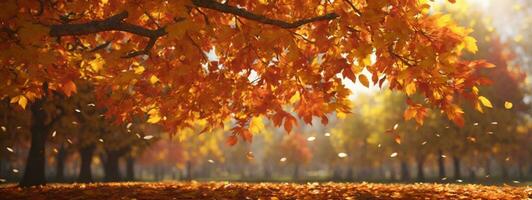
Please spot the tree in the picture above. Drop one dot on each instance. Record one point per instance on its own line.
(150, 57)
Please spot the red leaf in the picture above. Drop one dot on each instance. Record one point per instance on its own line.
(232, 140)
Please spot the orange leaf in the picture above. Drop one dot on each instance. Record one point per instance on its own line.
(289, 123)
(69, 88)
(363, 80)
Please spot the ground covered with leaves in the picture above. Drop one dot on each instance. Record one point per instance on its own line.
(270, 191)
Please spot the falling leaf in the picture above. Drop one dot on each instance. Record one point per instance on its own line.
(508, 105)
(2, 180)
(10, 149)
(475, 124)
(443, 156)
(129, 125)
(75, 122)
(55, 150)
(77, 110)
(3, 128)
(54, 133)
(494, 123)
(311, 138)
(485, 101)
(424, 143)
(395, 126)
(459, 180)
(91, 105)
(393, 155)
(397, 139)
(15, 170)
(210, 161)
(342, 155)
(148, 137)
(69, 141)
(363, 80)
(250, 155)
(283, 159)
(327, 134)
(101, 140)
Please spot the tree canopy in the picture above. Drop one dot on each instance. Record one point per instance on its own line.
(186, 60)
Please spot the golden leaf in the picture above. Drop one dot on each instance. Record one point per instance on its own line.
(508, 105)
(485, 101)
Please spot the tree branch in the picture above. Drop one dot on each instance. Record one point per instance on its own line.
(113, 23)
(225, 8)
(117, 23)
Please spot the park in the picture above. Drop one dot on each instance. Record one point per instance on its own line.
(265, 99)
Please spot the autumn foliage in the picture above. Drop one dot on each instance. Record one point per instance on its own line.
(181, 61)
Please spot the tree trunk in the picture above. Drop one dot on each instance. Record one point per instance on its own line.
(420, 165)
(405, 171)
(295, 176)
(60, 164)
(85, 172)
(189, 170)
(472, 174)
(504, 170)
(441, 165)
(130, 168)
(456, 165)
(488, 167)
(267, 172)
(111, 168)
(520, 169)
(350, 174)
(34, 171)
(336, 174)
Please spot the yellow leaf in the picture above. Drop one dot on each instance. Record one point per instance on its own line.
(22, 101)
(341, 115)
(508, 105)
(256, 125)
(485, 101)
(410, 88)
(97, 63)
(475, 90)
(153, 119)
(295, 98)
(471, 44)
(139, 69)
(154, 79)
(154, 116)
(363, 80)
